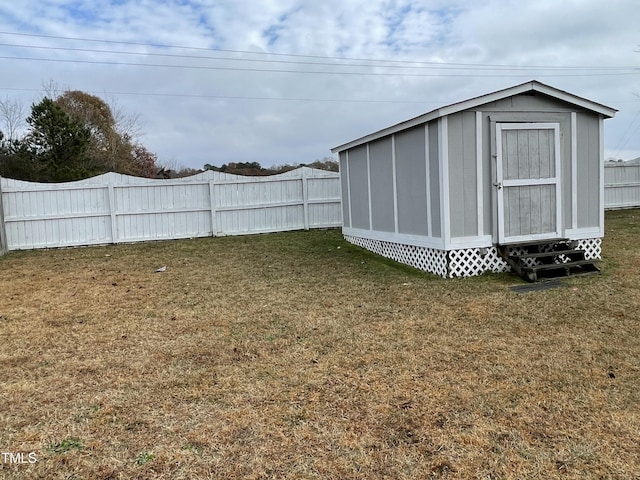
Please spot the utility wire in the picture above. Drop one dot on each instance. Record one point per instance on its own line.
(311, 72)
(324, 57)
(237, 97)
(431, 66)
(246, 97)
(627, 135)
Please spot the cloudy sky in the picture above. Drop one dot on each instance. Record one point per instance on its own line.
(283, 81)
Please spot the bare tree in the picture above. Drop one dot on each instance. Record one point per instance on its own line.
(12, 117)
(126, 124)
(53, 89)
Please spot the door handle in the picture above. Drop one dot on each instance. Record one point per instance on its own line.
(497, 184)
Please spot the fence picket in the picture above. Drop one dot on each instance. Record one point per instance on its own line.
(3, 233)
(305, 198)
(112, 212)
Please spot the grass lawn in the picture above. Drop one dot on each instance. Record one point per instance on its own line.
(299, 356)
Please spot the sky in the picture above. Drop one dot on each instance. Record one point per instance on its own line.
(283, 81)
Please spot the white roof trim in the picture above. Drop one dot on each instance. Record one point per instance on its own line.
(533, 85)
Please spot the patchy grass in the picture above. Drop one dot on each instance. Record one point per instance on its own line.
(65, 445)
(298, 356)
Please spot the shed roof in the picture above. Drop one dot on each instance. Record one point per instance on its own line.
(532, 85)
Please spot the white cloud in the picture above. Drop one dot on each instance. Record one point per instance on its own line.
(193, 131)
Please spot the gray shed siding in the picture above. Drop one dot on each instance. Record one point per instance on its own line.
(411, 177)
(344, 185)
(488, 174)
(359, 187)
(434, 181)
(463, 174)
(527, 103)
(367, 173)
(381, 170)
(589, 171)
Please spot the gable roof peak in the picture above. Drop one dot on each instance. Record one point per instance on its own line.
(531, 85)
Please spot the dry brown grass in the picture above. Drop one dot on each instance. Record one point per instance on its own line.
(284, 356)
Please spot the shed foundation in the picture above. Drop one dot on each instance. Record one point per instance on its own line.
(466, 262)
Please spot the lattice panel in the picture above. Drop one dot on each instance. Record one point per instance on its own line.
(423, 258)
(465, 263)
(592, 248)
(366, 243)
(469, 262)
(494, 262)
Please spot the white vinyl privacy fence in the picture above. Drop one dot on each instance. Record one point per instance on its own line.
(113, 208)
(621, 185)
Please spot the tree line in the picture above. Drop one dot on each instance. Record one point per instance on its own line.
(74, 135)
(71, 136)
(255, 169)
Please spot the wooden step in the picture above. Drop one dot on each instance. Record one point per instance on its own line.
(552, 266)
(537, 273)
(551, 253)
(530, 243)
(548, 264)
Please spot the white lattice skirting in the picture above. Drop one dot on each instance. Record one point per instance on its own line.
(465, 262)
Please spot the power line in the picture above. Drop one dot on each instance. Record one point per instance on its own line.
(311, 72)
(325, 57)
(437, 66)
(627, 135)
(247, 97)
(237, 97)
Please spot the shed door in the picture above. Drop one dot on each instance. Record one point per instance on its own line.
(528, 181)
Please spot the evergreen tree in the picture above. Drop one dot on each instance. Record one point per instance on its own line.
(58, 143)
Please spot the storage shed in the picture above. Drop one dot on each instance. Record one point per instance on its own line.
(459, 190)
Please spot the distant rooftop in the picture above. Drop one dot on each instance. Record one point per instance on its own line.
(635, 161)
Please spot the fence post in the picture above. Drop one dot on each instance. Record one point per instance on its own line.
(112, 210)
(212, 205)
(305, 197)
(4, 247)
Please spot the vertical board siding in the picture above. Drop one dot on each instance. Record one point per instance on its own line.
(463, 174)
(382, 197)
(132, 209)
(359, 188)
(588, 172)
(434, 174)
(529, 210)
(344, 189)
(621, 186)
(529, 154)
(411, 174)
